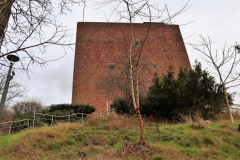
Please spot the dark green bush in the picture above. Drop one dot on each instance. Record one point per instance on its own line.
(66, 109)
(122, 106)
(190, 91)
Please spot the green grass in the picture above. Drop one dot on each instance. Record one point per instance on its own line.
(10, 139)
(7, 140)
(115, 138)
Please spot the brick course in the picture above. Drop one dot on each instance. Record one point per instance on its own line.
(100, 48)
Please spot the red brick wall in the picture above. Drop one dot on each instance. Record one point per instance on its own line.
(99, 45)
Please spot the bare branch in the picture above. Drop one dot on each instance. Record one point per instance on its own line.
(225, 63)
(25, 26)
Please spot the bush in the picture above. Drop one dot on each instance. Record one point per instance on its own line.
(191, 91)
(26, 108)
(122, 106)
(66, 109)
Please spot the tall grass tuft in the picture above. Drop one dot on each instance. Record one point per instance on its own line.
(196, 120)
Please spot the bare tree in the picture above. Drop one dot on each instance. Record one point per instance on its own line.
(24, 25)
(16, 90)
(132, 11)
(6, 115)
(27, 107)
(226, 64)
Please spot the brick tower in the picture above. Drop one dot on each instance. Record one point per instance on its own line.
(101, 52)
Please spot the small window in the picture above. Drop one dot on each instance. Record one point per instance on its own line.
(111, 67)
(136, 43)
(112, 108)
(164, 51)
(155, 66)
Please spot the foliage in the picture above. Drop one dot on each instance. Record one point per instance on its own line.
(64, 109)
(6, 115)
(191, 91)
(26, 108)
(122, 106)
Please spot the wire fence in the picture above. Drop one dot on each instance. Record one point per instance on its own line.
(40, 119)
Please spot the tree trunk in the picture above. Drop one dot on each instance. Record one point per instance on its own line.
(5, 12)
(140, 121)
(228, 106)
(135, 98)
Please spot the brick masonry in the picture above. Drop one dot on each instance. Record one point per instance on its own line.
(100, 57)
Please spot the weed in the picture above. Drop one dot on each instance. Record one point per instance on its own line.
(112, 141)
(67, 126)
(156, 157)
(80, 137)
(195, 120)
(95, 150)
(81, 154)
(187, 118)
(92, 122)
(53, 146)
(118, 145)
(189, 142)
(70, 141)
(210, 154)
(208, 141)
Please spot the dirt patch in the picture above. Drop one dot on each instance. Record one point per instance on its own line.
(143, 151)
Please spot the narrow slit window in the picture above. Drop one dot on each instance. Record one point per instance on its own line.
(155, 66)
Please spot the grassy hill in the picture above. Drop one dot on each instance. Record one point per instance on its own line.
(116, 138)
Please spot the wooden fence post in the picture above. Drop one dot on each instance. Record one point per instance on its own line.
(69, 118)
(10, 128)
(28, 123)
(82, 118)
(52, 121)
(34, 119)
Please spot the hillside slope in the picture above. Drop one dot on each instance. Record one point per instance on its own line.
(116, 138)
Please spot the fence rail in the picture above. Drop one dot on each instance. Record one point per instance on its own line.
(14, 126)
(40, 119)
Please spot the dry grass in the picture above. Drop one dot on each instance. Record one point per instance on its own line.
(92, 121)
(225, 118)
(187, 118)
(23, 150)
(171, 152)
(111, 137)
(120, 122)
(195, 120)
(112, 122)
(67, 126)
(34, 143)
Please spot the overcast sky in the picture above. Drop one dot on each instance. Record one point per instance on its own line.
(218, 19)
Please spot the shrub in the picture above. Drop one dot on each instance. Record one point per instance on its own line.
(26, 108)
(65, 109)
(190, 91)
(122, 106)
